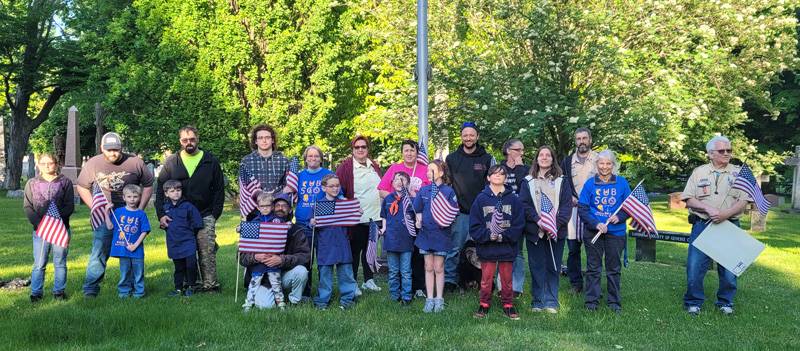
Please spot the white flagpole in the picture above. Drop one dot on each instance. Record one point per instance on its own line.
(617, 211)
(550, 241)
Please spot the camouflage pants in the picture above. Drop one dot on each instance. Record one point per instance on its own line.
(207, 253)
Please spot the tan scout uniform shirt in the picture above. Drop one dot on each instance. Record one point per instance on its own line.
(581, 172)
(713, 187)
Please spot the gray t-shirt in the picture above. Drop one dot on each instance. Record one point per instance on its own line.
(112, 177)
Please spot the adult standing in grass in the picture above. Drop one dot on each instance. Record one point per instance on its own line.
(110, 171)
(203, 186)
(359, 177)
(468, 166)
(600, 198)
(516, 171)
(268, 165)
(49, 186)
(545, 248)
(709, 197)
(578, 168)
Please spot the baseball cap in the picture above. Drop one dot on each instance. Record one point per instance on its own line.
(111, 141)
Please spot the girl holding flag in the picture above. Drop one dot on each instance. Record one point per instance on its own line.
(548, 207)
(599, 203)
(49, 189)
(399, 232)
(436, 207)
(496, 222)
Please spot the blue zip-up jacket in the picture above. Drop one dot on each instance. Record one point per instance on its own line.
(333, 244)
(182, 230)
(513, 221)
(396, 238)
(432, 237)
(599, 200)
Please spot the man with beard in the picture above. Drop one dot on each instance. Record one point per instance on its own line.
(110, 171)
(292, 261)
(577, 168)
(203, 186)
(468, 166)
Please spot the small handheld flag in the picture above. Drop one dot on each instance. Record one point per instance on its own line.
(249, 186)
(637, 205)
(547, 217)
(99, 202)
(337, 213)
(263, 237)
(291, 174)
(444, 213)
(746, 182)
(496, 222)
(52, 229)
(372, 247)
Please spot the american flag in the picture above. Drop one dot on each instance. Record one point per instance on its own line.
(263, 237)
(337, 213)
(422, 155)
(547, 217)
(249, 186)
(291, 174)
(52, 229)
(98, 210)
(637, 205)
(444, 213)
(372, 248)
(747, 182)
(407, 218)
(496, 223)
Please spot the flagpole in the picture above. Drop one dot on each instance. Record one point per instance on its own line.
(617, 211)
(422, 71)
(552, 255)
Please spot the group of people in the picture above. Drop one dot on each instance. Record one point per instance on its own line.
(426, 211)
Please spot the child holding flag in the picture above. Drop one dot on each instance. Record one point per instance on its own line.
(130, 226)
(398, 230)
(181, 237)
(46, 189)
(436, 207)
(496, 221)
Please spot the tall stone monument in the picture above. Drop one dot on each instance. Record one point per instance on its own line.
(72, 152)
(795, 161)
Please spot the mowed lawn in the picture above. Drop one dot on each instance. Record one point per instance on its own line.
(767, 306)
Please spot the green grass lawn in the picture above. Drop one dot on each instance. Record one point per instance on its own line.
(766, 315)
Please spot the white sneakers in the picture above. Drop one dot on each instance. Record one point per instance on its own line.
(370, 285)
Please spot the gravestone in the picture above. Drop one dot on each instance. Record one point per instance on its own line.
(72, 150)
(795, 161)
(675, 202)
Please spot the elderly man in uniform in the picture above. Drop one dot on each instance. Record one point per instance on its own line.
(709, 197)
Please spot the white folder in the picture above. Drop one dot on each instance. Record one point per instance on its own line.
(729, 246)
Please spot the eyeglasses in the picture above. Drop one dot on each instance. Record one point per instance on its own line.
(264, 137)
(331, 186)
(264, 205)
(517, 149)
(724, 151)
(359, 147)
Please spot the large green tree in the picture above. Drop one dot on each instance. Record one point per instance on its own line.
(40, 61)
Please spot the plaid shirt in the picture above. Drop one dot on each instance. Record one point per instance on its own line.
(270, 171)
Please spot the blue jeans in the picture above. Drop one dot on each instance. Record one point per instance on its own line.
(294, 279)
(131, 277)
(696, 267)
(96, 268)
(399, 275)
(41, 250)
(460, 232)
(347, 285)
(544, 276)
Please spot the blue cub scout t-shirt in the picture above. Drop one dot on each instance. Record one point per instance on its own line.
(128, 226)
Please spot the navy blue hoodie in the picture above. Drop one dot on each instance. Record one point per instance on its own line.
(513, 221)
(563, 214)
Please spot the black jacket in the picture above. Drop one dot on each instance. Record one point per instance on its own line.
(468, 174)
(205, 189)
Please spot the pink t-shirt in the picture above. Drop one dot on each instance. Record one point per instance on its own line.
(419, 177)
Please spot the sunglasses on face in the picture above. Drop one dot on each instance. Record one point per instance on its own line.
(724, 151)
(360, 147)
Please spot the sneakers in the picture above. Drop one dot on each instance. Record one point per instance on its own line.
(60, 296)
(188, 292)
(481, 312)
(175, 293)
(591, 308)
(438, 305)
(616, 309)
(405, 303)
(511, 313)
(536, 309)
(551, 310)
(693, 310)
(726, 310)
(420, 294)
(36, 298)
(429, 305)
(358, 292)
(370, 285)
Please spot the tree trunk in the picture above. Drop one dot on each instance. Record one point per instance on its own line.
(16, 147)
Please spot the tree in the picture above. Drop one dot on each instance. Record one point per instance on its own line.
(40, 63)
